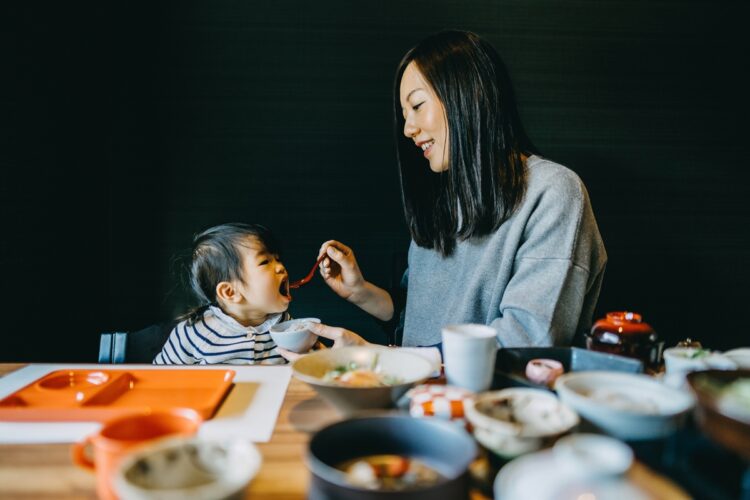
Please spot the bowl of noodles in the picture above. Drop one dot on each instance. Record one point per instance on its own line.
(361, 377)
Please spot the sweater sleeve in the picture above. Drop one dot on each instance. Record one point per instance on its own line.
(545, 296)
(394, 327)
(542, 304)
(177, 350)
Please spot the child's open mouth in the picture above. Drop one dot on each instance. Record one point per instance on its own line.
(284, 289)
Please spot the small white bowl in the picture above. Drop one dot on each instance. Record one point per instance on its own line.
(593, 456)
(188, 469)
(685, 359)
(294, 334)
(541, 476)
(625, 405)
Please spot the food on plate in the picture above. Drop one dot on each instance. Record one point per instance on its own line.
(737, 395)
(622, 399)
(389, 472)
(698, 353)
(732, 398)
(353, 375)
(530, 413)
(543, 371)
(299, 326)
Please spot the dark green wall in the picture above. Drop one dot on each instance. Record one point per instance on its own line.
(125, 129)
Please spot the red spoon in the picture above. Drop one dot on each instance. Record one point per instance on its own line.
(306, 279)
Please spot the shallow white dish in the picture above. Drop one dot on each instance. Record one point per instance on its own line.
(740, 356)
(625, 405)
(293, 335)
(188, 469)
(540, 476)
(593, 455)
(529, 417)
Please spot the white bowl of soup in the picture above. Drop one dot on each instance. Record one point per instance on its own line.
(361, 377)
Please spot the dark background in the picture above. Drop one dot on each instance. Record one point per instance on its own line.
(126, 128)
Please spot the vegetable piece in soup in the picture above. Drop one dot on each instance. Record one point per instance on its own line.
(352, 375)
(389, 472)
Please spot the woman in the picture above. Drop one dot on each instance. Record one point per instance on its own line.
(500, 235)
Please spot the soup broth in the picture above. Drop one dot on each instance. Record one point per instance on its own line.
(389, 472)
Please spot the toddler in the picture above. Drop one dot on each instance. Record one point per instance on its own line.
(237, 275)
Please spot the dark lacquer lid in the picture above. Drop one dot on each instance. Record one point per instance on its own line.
(623, 324)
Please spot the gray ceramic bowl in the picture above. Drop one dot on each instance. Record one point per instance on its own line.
(442, 445)
(407, 367)
(293, 335)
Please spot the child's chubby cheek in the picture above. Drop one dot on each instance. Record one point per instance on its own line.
(283, 304)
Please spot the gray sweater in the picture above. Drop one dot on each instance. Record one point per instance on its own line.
(536, 279)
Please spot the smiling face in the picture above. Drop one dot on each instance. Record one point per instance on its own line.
(424, 118)
(264, 288)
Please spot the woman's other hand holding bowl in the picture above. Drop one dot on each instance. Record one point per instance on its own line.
(341, 337)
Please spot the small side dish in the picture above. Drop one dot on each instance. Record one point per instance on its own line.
(511, 422)
(544, 371)
(188, 468)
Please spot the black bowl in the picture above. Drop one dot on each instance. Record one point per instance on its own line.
(445, 446)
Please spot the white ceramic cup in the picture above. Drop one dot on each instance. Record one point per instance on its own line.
(469, 355)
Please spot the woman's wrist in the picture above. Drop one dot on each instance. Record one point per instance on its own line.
(373, 300)
(359, 294)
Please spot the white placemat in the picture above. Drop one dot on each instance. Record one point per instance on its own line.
(255, 422)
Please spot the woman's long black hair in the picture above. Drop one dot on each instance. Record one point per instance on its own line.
(216, 257)
(485, 180)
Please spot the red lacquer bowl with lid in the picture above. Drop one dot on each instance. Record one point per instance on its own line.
(625, 333)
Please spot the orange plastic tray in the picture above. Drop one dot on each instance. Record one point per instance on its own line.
(98, 395)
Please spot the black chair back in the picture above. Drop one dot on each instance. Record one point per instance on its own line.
(140, 346)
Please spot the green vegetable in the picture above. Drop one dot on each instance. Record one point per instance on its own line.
(699, 353)
(374, 363)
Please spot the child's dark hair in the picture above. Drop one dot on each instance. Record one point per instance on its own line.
(216, 257)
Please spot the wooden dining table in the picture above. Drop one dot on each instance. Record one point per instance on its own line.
(39, 471)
